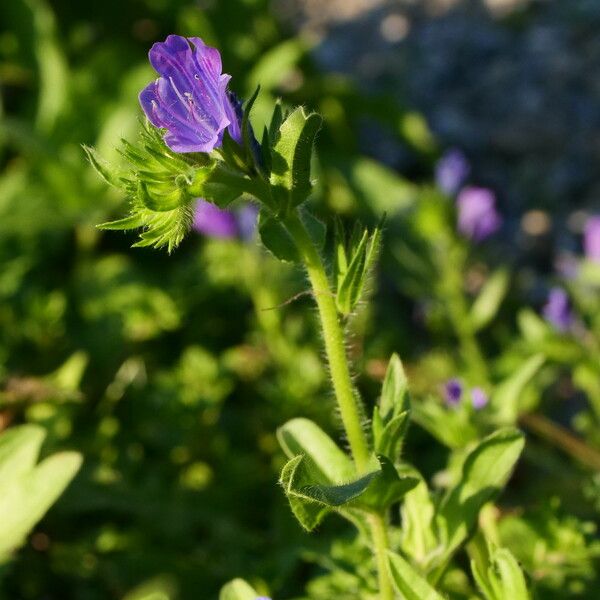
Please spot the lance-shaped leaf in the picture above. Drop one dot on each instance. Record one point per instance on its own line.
(451, 427)
(359, 256)
(488, 301)
(391, 415)
(419, 540)
(502, 579)
(408, 582)
(291, 158)
(238, 589)
(505, 399)
(485, 471)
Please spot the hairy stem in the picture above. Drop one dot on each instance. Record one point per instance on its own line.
(347, 399)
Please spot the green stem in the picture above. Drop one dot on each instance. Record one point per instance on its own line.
(381, 546)
(347, 399)
(458, 313)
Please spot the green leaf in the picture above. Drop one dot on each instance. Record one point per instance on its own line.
(291, 158)
(503, 577)
(485, 471)
(360, 253)
(390, 437)
(352, 281)
(25, 499)
(394, 392)
(238, 589)
(222, 185)
(276, 238)
(387, 487)
(506, 396)
(251, 147)
(391, 416)
(19, 450)
(410, 584)
(302, 436)
(312, 497)
(488, 301)
(451, 427)
(418, 537)
(316, 229)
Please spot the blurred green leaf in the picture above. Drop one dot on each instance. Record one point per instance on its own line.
(488, 301)
(408, 582)
(238, 589)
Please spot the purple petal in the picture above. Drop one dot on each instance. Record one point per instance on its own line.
(591, 238)
(479, 398)
(451, 171)
(557, 309)
(453, 390)
(214, 221)
(477, 215)
(247, 220)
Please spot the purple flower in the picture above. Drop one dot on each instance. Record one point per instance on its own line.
(479, 398)
(591, 238)
(190, 98)
(557, 309)
(219, 223)
(451, 171)
(477, 215)
(453, 390)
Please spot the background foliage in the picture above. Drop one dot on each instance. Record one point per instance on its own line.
(168, 374)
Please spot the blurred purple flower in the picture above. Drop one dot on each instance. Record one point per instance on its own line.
(247, 217)
(219, 223)
(557, 309)
(591, 238)
(479, 398)
(190, 98)
(453, 390)
(477, 215)
(451, 171)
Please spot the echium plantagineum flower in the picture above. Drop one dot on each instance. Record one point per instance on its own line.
(591, 238)
(557, 310)
(451, 171)
(477, 214)
(190, 99)
(453, 390)
(216, 222)
(479, 398)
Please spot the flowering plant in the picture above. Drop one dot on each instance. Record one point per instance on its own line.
(198, 142)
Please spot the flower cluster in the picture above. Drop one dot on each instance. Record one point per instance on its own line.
(190, 99)
(453, 394)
